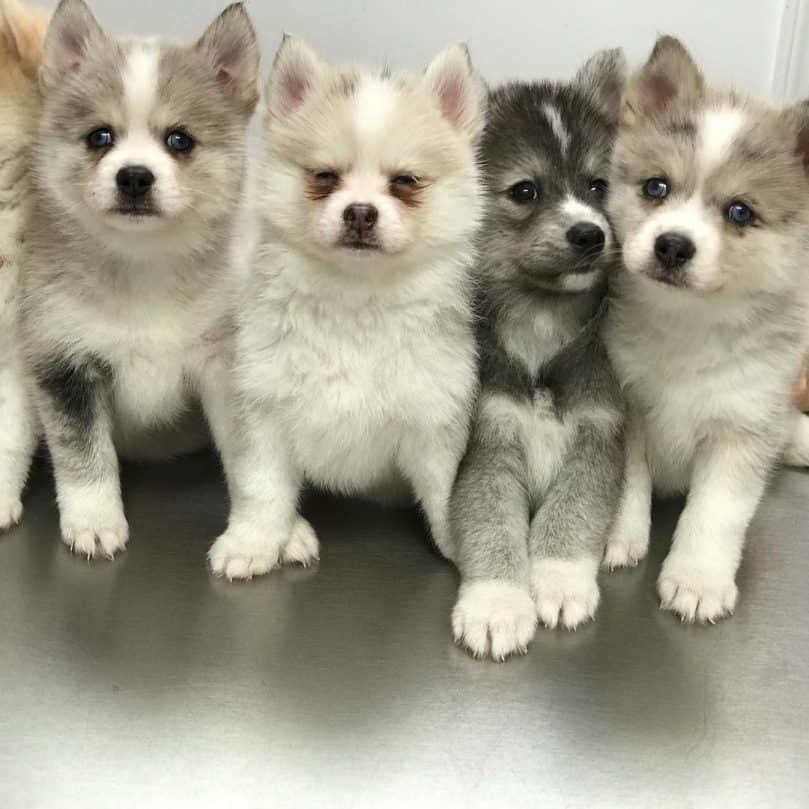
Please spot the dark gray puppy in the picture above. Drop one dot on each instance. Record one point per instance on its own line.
(540, 482)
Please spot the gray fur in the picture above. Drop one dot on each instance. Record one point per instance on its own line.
(542, 360)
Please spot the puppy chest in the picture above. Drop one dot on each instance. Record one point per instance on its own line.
(546, 441)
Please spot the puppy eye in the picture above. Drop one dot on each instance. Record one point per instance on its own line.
(599, 186)
(326, 177)
(101, 138)
(656, 188)
(739, 213)
(179, 141)
(404, 179)
(523, 192)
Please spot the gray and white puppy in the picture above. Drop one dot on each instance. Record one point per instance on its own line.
(139, 174)
(539, 484)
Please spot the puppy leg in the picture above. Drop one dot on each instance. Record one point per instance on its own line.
(628, 539)
(569, 530)
(264, 529)
(697, 580)
(430, 460)
(797, 451)
(75, 406)
(494, 614)
(18, 439)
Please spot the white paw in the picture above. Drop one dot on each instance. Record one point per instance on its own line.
(10, 512)
(625, 550)
(303, 547)
(696, 592)
(565, 591)
(92, 536)
(494, 618)
(242, 553)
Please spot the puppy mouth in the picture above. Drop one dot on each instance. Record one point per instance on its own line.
(136, 211)
(360, 245)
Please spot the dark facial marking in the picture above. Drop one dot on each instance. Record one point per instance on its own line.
(407, 188)
(322, 184)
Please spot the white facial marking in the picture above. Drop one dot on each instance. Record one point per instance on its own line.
(716, 135)
(577, 211)
(140, 82)
(581, 282)
(373, 105)
(557, 125)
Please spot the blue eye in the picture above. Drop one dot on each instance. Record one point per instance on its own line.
(656, 188)
(179, 141)
(524, 192)
(740, 214)
(101, 138)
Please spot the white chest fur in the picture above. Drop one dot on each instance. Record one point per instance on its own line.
(351, 379)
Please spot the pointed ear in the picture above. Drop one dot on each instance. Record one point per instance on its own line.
(459, 92)
(72, 31)
(295, 73)
(603, 78)
(669, 77)
(23, 30)
(800, 115)
(231, 47)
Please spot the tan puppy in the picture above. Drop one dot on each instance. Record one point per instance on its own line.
(22, 31)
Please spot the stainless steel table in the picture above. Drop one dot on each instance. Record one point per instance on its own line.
(146, 683)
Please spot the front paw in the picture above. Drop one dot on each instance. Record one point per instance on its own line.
(242, 553)
(494, 618)
(94, 535)
(565, 591)
(625, 550)
(695, 591)
(10, 512)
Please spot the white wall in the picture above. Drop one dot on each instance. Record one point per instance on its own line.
(736, 41)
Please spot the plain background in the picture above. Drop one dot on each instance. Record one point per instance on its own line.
(746, 43)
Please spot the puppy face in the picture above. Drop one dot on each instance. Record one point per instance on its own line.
(144, 135)
(546, 151)
(365, 165)
(709, 188)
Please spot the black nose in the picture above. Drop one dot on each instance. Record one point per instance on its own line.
(360, 219)
(673, 250)
(134, 181)
(585, 237)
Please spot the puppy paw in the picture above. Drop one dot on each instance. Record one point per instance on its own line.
(696, 592)
(565, 591)
(10, 512)
(99, 535)
(625, 551)
(303, 547)
(242, 553)
(494, 619)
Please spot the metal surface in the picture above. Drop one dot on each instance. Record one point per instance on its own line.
(146, 683)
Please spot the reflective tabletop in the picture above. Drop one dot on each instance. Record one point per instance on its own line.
(145, 682)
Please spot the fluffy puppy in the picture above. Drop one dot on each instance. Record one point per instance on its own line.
(22, 32)
(708, 327)
(541, 478)
(355, 358)
(139, 174)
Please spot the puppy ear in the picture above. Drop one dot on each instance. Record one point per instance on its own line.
(296, 71)
(669, 77)
(72, 32)
(459, 92)
(231, 47)
(23, 31)
(603, 79)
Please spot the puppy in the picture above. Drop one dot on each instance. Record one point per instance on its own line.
(707, 330)
(355, 355)
(139, 171)
(22, 32)
(541, 478)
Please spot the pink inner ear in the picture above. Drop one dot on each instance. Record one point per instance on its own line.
(659, 91)
(450, 94)
(293, 92)
(802, 148)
